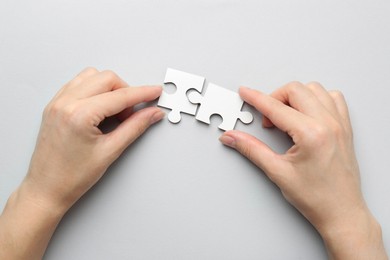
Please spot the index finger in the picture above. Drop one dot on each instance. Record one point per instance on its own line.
(282, 116)
(91, 82)
(114, 102)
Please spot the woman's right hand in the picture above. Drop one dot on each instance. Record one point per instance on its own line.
(319, 174)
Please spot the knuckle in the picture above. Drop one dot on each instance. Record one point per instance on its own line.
(336, 94)
(314, 85)
(320, 132)
(75, 81)
(52, 109)
(336, 130)
(90, 70)
(317, 135)
(68, 115)
(110, 76)
(294, 86)
(295, 83)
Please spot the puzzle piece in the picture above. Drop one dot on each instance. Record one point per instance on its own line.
(178, 101)
(223, 102)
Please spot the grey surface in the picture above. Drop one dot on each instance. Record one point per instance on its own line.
(177, 193)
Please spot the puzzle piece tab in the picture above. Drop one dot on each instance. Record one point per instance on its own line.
(178, 101)
(221, 101)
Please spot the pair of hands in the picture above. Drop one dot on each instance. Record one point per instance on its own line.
(319, 174)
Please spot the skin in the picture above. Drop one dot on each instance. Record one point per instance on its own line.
(71, 155)
(319, 175)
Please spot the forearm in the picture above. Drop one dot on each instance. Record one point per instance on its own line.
(360, 237)
(26, 225)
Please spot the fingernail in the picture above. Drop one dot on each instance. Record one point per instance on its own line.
(228, 140)
(157, 117)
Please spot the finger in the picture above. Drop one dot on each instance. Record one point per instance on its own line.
(266, 122)
(114, 102)
(342, 108)
(87, 72)
(299, 97)
(282, 116)
(76, 81)
(257, 152)
(323, 96)
(96, 84)
(130, 129)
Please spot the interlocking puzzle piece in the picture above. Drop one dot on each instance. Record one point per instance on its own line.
(221, 101)
(178, 101)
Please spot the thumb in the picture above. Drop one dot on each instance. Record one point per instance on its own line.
(257, 152)
(132, 128)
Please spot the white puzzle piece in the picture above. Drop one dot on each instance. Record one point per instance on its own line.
(221, 101)
(178, 101)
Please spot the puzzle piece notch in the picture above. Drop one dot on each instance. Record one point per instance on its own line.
(221, 101)
(178, 102)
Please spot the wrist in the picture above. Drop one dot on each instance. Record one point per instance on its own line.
(27, 224)
(35, 198)
(356, 237)
(48, 188)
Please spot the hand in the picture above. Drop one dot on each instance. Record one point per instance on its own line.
(319, 174)
(71, 155)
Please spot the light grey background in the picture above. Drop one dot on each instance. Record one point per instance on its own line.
(177, 193)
